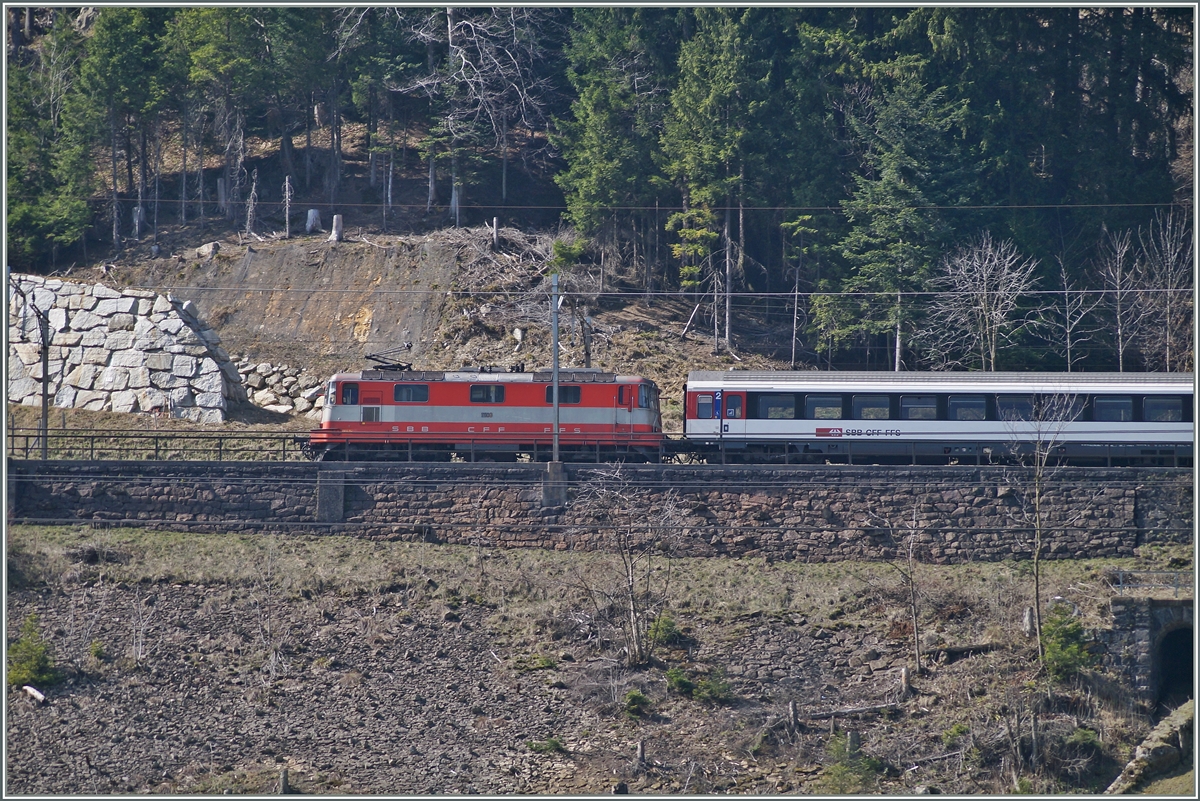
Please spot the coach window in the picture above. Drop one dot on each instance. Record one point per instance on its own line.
(733, 407)
(487, 393)
(918, 407)
(966, 407)
(823, 407)
(411, 393)
(871, 407)
(565, 394)
(704, 407)
(349, 394)
(1113, 409)
(776, 407)
(1061, 407)
(1014, 407)
(1163, 410)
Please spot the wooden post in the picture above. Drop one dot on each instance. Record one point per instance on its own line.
(495, 234)
(283, 782)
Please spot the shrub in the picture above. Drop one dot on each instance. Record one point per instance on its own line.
(678, 682)
(848, 773)
(1063, 643)
(714, 689)
(951, 735)
(29, 660)
(637, 705)
(526, 664)
(551, 745)
(663, 630)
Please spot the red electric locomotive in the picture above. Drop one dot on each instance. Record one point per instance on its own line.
(487, 414)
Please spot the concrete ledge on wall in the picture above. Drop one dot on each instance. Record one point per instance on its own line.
(554, 485)
(331, 495)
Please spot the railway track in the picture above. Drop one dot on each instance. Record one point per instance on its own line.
(96, 445)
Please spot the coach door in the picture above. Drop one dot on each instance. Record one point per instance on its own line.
(623, 414)
(732, 406)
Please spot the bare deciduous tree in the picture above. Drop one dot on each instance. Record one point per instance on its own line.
(489, 77)
(1065, 323)
(1122, 278)
(977, 310)
(1035, 443)
(1166, 257)
(903, 538)
(638, 529)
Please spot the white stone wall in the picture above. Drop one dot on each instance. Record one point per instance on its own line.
(122, 351)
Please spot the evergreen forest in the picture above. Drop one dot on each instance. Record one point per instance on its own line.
(916, 188)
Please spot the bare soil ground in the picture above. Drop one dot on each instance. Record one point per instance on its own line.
(204, 663)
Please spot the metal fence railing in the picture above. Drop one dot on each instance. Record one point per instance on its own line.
(78, 445)
(1176, 581)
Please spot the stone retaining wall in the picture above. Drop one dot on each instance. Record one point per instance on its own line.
(806, 514)
(281, 388)
(116, 350)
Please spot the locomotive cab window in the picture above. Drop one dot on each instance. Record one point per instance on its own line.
(411, 393)
(966, 407)
(776, 407)
(871, 407)
(1114, 409)
(704, 407)
(643, 396)
(565, 394)
(487, 393)
(349, 394)
(1163, 410)
(823, 407)
(918, 407)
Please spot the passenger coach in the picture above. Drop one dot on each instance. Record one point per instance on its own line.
(487, 414)
(939, 418)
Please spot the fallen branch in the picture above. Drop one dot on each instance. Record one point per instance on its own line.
(41, 699)
(935, 758)
(854, 710)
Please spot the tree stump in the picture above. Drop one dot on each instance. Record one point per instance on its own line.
(314, 222)
(336, 234)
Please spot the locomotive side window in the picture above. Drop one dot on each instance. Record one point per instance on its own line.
(331, 393)
(871, 407)
(1015, 407)
(1115, 409)
(370, 414)
(704, 407)
(1163, 410)
(823, 407)
(918, 407)
(622, 395)
(565, 394)
(411, 393)
(487, 393)
(349, 394)
(966, 407)
(776, 407)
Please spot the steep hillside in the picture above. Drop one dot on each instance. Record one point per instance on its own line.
(448, 298)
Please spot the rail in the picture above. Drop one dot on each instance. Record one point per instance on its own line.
(80, 444)
(1174, 580)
